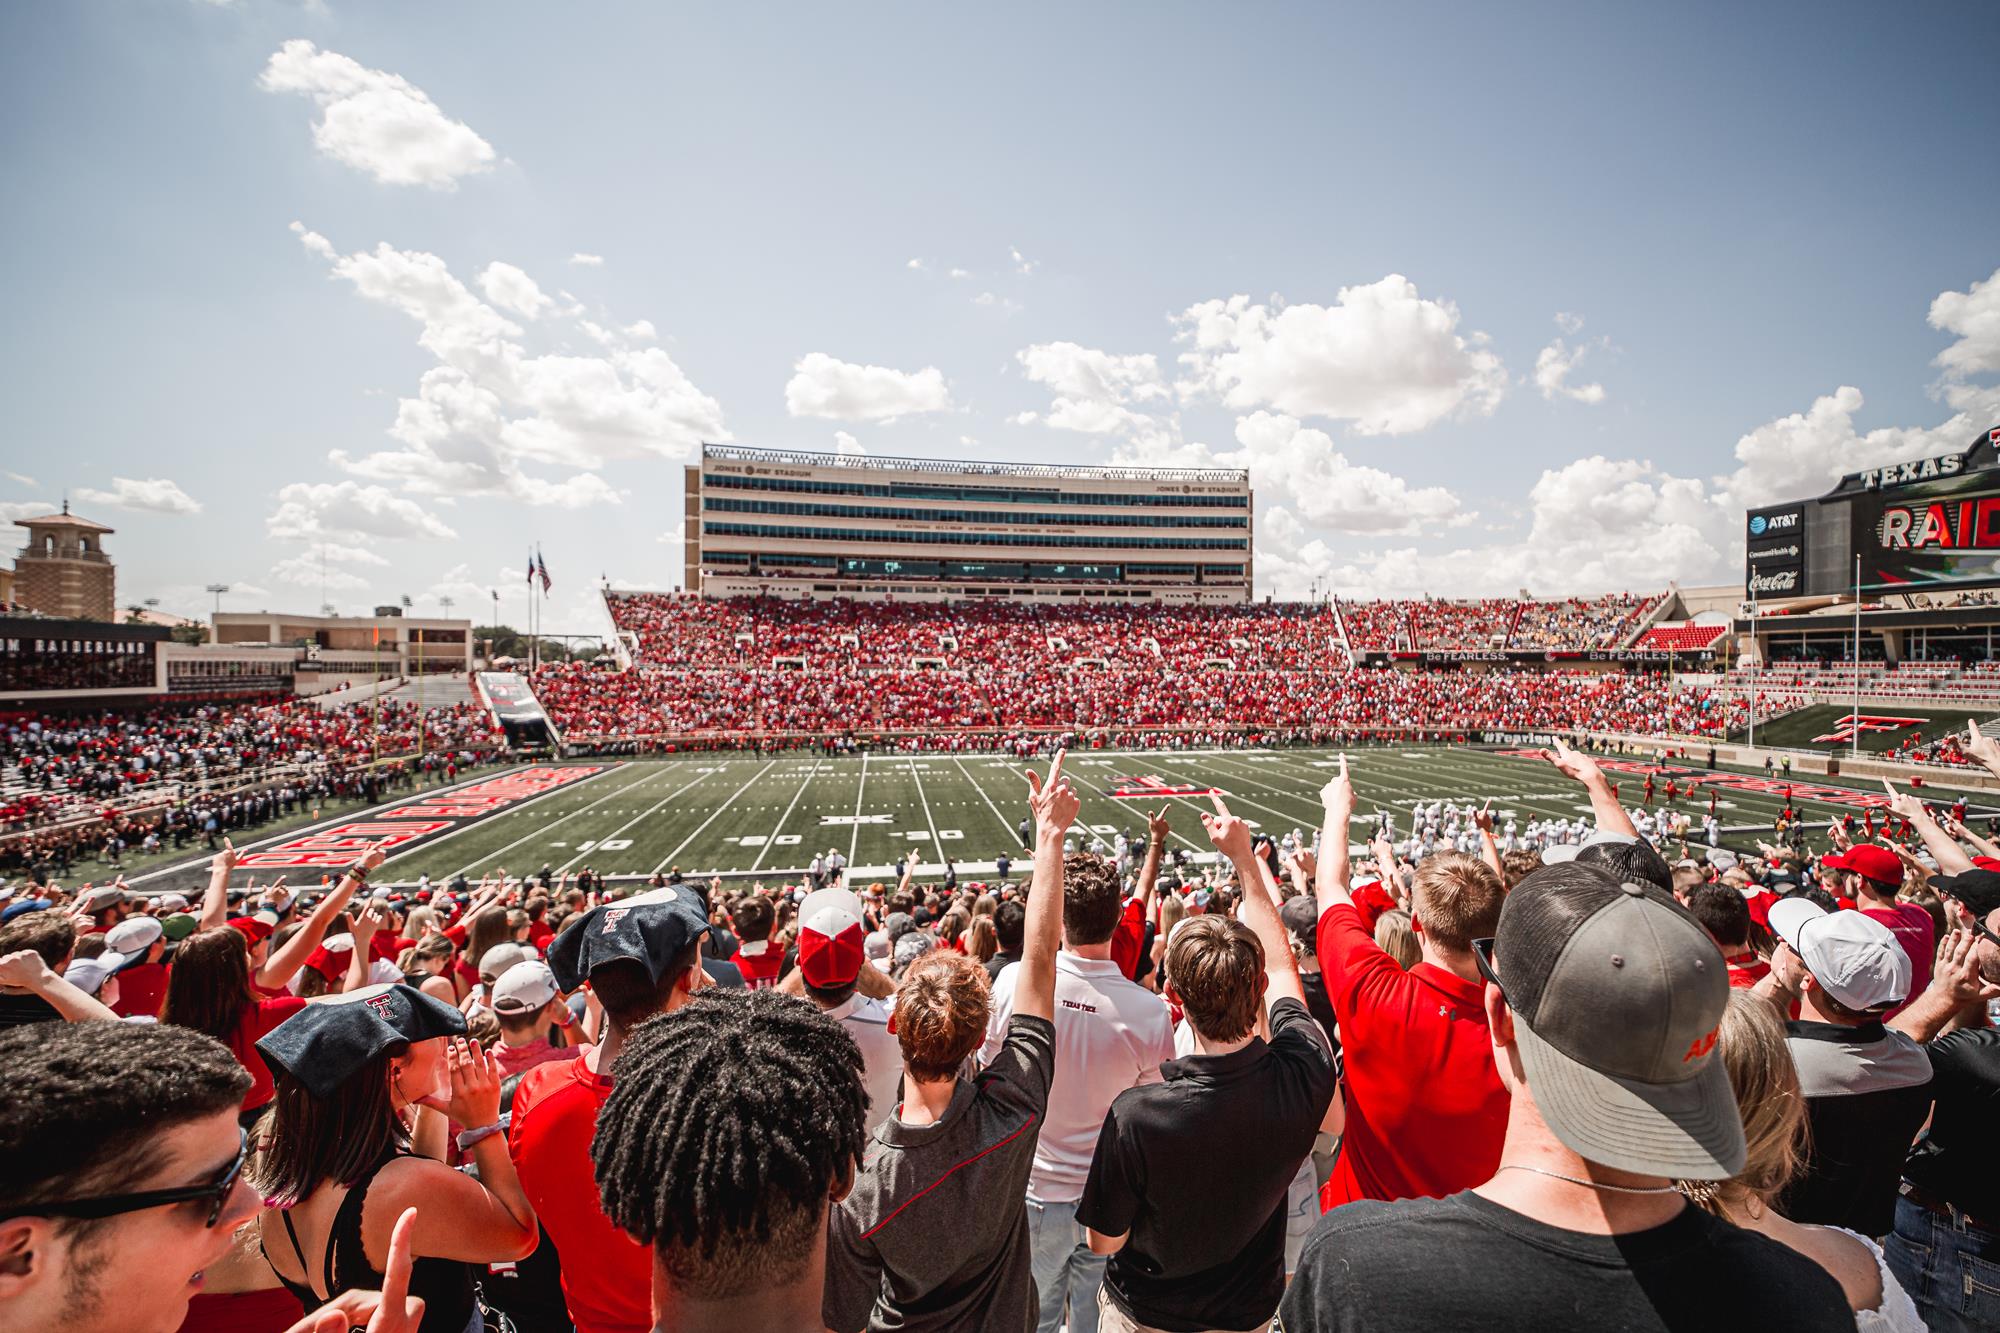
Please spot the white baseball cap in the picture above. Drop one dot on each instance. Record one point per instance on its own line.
(170, 902)
(524, 988)
(497, 961)
(133, 937)
(1851, 955)
(88, 974)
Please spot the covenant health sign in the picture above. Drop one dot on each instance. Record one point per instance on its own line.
(427, 817)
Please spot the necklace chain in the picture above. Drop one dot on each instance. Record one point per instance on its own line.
(1593, 1184)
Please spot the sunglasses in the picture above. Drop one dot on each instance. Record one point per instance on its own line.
(1975, 925)
(1482, 954)
(217, 1193)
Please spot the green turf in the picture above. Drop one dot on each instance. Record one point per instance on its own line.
(1801, 730)
(766, 816)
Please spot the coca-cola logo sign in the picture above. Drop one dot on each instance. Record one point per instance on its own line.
(1778, 580)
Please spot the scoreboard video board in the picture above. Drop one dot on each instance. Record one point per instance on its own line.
(1929, 523)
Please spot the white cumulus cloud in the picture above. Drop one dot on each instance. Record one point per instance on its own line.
(377, 122)
(492, 407)
(1095, 391)
(1974, 317)
(154, 495)
(822, 386)
(347, 511)
(1382, 357)
(511, 289)
(1552, 372)
(1303, 469)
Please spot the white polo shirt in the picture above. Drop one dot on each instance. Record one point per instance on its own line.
(867, 1021)
(1111, 1034)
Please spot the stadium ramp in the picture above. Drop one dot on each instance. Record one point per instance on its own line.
(511, 702)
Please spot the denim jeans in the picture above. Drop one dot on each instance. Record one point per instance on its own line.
(1951, 1269)
(1064, 1267)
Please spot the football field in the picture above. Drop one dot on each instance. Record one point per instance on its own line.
(759, 816)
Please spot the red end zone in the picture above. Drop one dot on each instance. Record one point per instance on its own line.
(419, 820)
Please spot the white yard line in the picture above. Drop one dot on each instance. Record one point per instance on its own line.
(669, 858)
(936, 847)
(854, 839)
(1011, 829)
(631, 823)
(540, 832)
(765, 850)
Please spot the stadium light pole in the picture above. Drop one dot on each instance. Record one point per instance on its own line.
(1756, 663)
(218, 589)
(1854, 722)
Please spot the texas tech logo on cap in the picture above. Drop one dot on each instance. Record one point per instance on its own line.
(612, 916)
(380, 1004)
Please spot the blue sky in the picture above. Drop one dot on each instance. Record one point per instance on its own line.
(1532, 296)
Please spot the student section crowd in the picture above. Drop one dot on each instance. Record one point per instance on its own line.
(1330, 1087)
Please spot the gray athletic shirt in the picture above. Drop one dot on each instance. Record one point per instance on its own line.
(935, 1233)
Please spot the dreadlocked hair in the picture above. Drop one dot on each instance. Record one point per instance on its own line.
(731, 1122)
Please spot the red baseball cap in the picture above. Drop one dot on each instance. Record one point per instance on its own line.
(251, 929)
(830, 938)
(1876, 863)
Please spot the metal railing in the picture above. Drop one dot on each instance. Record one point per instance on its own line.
(736, 453)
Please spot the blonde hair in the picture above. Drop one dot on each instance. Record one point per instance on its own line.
(1397, 939)
(1751, 1042)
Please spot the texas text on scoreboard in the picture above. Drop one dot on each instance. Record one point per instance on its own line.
(1920, 525)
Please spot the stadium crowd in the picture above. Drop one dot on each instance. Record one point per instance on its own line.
(1332, 1087)
(99, 785)
(1017, 698)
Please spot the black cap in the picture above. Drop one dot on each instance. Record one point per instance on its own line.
(1979, 890)
(1300, 915)
(654, 928)
(327, 1041)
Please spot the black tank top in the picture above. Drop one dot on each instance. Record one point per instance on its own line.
(445, 1284)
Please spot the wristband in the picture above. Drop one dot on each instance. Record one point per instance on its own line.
(468, 1137)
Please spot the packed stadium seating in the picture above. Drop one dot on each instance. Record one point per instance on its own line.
(958, 676)
(55, 766)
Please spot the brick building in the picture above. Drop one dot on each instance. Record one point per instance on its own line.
(63, 570)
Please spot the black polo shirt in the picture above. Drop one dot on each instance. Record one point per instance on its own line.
(1196, 1169)
(1955, 1160)
(1867, 1091)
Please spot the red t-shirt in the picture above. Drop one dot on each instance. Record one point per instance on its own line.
(257, 1021)
(759, 969)
(142, 989)
(1373, 900)
(607, 1276)
(539, 935)
(1426, 1111)
(1914, 930)
(1747, 973)
(1128, 937)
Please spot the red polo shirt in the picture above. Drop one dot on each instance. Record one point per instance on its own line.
(607, 1276)
(1426, 1111)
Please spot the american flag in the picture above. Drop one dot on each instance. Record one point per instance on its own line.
(542, 568)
